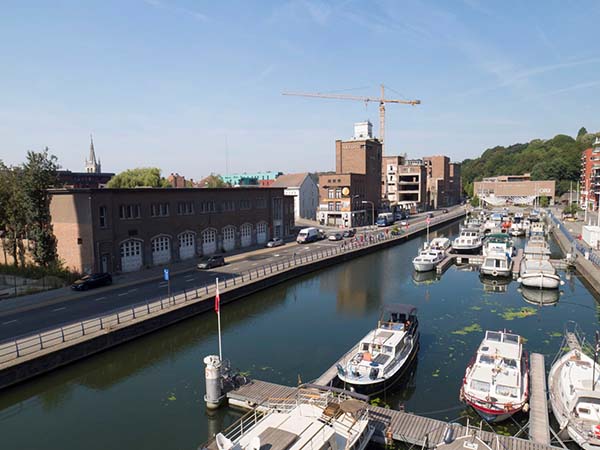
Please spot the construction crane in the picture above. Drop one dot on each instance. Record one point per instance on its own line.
(381, 100)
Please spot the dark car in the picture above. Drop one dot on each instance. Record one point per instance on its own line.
(445, 211)
(92, 281)
(209, 262)
(349, 233)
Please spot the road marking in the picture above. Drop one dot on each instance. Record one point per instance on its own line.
(59, 309)
(164, 284)
(131, 290)
(122, 294)
(190, 280)
(99, 298)
(10, 321)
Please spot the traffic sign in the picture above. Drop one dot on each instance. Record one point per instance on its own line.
(166, 274)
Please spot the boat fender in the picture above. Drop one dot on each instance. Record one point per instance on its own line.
(494, 273)
(597, 431)
(526, 407)
(449, 435)
(519, 280)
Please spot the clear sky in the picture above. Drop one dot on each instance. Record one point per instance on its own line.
(174, 83)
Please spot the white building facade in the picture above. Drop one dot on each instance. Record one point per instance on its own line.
(304, 191)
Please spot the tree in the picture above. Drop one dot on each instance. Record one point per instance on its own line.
(214, 181)
(38, 174)
(13, 209)
(582, 132)
(139, 177)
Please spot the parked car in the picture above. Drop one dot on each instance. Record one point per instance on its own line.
(430, 215)
(209, 262)
(92, 281)
(335, 236)
(445, 211)
(404, 223)
(275, 242)
(349, 233)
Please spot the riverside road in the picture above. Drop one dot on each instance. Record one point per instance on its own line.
(18, 320)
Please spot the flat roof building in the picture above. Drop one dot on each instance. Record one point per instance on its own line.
(124, 230)
(507, 190)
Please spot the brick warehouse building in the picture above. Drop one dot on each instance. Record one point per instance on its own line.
(124, 230)
(357, 179)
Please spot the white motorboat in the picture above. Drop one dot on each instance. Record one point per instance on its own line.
(497, 264)
(457, 437)
(574, 391)
(516, 229)
(469, 241)
(537, 248)
(536, 271)
(498, 243)
(383, 355)
(496, 382)
(428, 259)
(312, 420)
(537, 229)
(440, 243)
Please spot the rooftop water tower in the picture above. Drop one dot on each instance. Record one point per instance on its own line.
(363, 130)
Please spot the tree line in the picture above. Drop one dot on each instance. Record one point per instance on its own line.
(25, 209)
(557, 159)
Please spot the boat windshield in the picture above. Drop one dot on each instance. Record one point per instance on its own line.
(507, 391)
(486, 359)
(494, 336)
(482, 386)
(508, 362)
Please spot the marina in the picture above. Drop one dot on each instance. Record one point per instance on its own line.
(159, 379)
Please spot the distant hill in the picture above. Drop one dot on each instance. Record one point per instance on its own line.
(557, 159)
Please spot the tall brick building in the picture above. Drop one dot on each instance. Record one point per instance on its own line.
(123, 230)
(357, 179)
(590, 176)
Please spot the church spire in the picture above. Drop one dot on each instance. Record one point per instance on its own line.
(92, 152)
(91, 166)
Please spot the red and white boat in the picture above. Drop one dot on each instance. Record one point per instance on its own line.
(496, 382)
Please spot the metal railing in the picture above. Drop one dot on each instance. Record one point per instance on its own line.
(31, 343)
(576, 243)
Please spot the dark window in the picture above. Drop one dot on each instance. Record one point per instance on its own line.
(159, 209)
(228, 205)
(245, 204)
(102, 217)
(185, 208)
(127, 212)
(261, 202)
(207, 207)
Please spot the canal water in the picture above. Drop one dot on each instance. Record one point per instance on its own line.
(148, 394)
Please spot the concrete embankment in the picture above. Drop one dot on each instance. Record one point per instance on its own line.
(40, 353)
(586, 268)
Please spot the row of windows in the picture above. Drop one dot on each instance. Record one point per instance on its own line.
(334, 193)
(134, 211)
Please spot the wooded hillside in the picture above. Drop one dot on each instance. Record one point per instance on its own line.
(557, 159)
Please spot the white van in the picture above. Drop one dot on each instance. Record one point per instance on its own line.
(307, 235)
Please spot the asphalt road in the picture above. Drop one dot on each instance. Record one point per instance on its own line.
(23, 321)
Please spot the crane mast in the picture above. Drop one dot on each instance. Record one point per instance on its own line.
(381, 100)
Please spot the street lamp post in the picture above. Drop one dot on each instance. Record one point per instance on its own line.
(372, 210)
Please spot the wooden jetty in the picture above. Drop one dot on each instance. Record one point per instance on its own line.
(389, 424)
(539, 424)
(457, 258)
(517, 260)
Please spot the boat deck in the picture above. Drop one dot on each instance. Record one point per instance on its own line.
(397, 425)
(572, 341)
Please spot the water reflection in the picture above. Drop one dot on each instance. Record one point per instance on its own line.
(540, 297)
(495, 284)
(425, 278)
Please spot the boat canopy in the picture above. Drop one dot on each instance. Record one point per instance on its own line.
(498, 237)
(400, 308)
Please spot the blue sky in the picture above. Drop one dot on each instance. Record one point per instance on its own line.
(174, 83)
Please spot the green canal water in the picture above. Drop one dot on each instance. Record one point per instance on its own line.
(148, 394)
